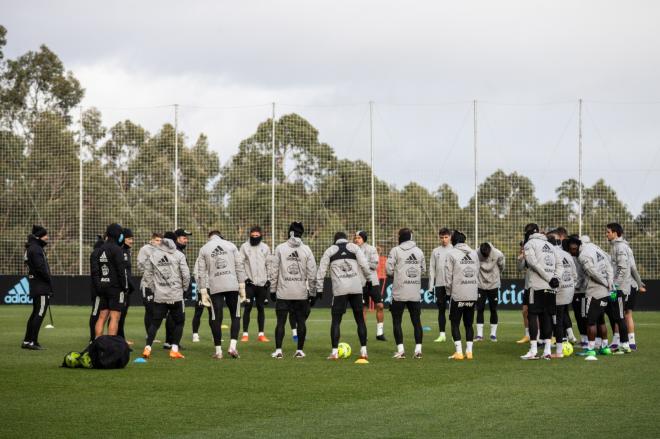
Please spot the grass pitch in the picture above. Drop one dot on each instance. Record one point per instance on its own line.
(495, 395)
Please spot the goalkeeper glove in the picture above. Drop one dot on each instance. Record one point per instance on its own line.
(206, 299)
(241, 291)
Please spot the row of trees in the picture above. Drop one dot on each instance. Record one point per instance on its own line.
(129, 177)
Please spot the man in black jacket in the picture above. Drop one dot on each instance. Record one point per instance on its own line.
(41, 287)
(126, 248)
(96, 300)
(110, 279)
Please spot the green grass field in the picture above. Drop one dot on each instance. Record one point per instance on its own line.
(495, 395)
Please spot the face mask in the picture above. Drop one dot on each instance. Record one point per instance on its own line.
(255, 240)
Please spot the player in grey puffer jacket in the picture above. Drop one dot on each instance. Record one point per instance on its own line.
(491, 266)
(406, 263)
(166, 273)
(292, 284)
(544, 273)
(461, 272)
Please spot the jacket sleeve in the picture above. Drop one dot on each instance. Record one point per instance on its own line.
(37, 260)
(635, 274)
(373, 259)
(432, 272)
(141, 259)
(590, 270)
(311, 272)
(202, 271)
(95, 272)
(323, 268)
(185, 273)
(449, 272)
(239, 266)
(273, 274)
(621, 265)
(501, 261)
(422, 261)
(574, 273)
(363, 264)
(534, 264)
(245, 261)
(148, 276)
(391, 262)
(520, 263)
(122, 272)
(559, 267)
(610, 276)
(269, 262)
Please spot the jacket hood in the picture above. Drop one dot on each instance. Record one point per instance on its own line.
(294, 241)
(114, 231)
(99, 241)
(408, 245)
(540, 236)
(168, 245)
(463, 247)
(341, 241)
(33, 239)
(618, 240)
(585, 239)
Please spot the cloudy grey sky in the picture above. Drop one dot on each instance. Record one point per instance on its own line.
(422, 63)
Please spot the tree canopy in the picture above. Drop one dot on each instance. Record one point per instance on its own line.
(129, 174)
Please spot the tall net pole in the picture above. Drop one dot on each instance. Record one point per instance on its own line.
(373, 189)
(580, 167)
(476, 187)
(80, 196)
(272, 185)
(176, 166)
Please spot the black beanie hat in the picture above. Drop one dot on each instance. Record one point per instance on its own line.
(114, 231)
(362, 234)
(39, 231)
(128, 233)
(297, 228)
(169, 235)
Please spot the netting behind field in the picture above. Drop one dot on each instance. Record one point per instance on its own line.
(228, 168)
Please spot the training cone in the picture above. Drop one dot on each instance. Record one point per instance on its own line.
(426, 328)
(139, 360)
(224, 327)
(361, 361)
(49, 326)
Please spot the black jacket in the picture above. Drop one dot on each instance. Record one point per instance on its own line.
(38, 270)
(129, 269)
(188, 288)
(94, 255)
(108, 268)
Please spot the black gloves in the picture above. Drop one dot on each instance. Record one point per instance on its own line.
(273, 296)
(554, 282)
(248, 281)
(267, 285)
(312, 300)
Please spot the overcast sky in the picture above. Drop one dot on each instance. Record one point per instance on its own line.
(422, 63)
